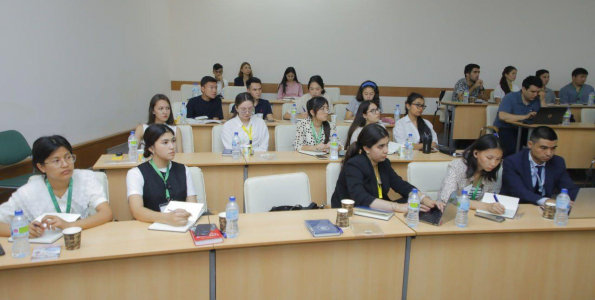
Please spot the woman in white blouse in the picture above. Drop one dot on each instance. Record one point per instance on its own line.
(506, 84)
(250, 128)
(60, 189)
(314, 132)
(367, 113)
(159, 113)
(315, 89)
(412, 123)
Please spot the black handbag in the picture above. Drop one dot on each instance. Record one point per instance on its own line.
(296, 207)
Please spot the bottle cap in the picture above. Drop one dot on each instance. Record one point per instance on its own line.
(564, 191)
(464, 193)
(132, 132)
(411, 134)
(232, 199)
(18, 213)
(235, 133)
(414, 191)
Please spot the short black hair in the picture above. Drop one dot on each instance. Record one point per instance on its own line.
(206, 80)
(541, 72)
(217, 66)
(152, 134)
(543, 132)
(469, 68)
(251, 81)
(44, 146)
(579, 71)
(532, 80)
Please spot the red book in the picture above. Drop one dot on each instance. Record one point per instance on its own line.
(214, 237)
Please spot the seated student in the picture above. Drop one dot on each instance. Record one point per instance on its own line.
(413, 123)
(314, 132)
(290, 86)
(548, 94)
(154, 183)
(517, 107)
(159, 113)
(209, 103)
(250, 128)
(470, 83)
(367, 113)
(261, 106)
(218, 74)
(367, 91)
(315, 89)
(477, 173)
(244, 74)
(576, 92)
(506, 84)
(535, 174)
(367, 175)
(60, 189)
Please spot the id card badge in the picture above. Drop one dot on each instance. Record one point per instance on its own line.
(163, 206)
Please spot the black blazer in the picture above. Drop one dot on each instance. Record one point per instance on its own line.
(357, 182)
(239, 81)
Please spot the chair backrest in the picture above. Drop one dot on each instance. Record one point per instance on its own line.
(230, 107)
(588, 115)
(262, 193)
(491, 112)
(332, 175)
(334, 93)
(216, 142)
(19, 148)
(186, 92)
(176, 107)
(498, 184)
(100, 176)
(447, 96)
(285, 108)
(187, 138)
(427, 176)
(284, 137)
(199, 185)
(231, 92)
(491, 96)
(342, 134)
(340, 110)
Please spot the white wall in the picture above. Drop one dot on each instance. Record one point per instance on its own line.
(82, 69)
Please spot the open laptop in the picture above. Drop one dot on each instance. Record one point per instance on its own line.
(584, 206)
(549, 116)
(436, 217)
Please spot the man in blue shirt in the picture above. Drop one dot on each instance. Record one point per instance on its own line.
(576, 92)
(519, 106)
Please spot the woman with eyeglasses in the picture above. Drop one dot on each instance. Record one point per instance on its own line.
(159, 180)
(59, 189)
(367, 113)
(250, 128)
(413, 123)
(314, 132)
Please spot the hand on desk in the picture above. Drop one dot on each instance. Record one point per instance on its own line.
(178, 217)
(495, 208)
(530, 115)
(35, 229)
(53, 222)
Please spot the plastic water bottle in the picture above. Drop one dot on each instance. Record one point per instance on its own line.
(132, 147)
(195, 90)
(466, 96)
(462, 218)
(334, 147)
(562, 208)
(591, 99)
(293, 114)
(235, 146)
(413, 210)
(397, 113)
(183, 113)
(232, 213)
(409, 147)
(19, 228)
(566, 119)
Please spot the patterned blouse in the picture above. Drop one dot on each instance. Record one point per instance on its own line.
(455, 180)
(304, 135)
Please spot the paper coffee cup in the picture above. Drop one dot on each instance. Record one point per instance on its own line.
(72, 238)
(348, 204)
(222, 221)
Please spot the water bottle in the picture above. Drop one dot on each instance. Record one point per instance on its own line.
(183, 113)
(591, 99)
(409, 147)
(397, 113)
(132, 147)
(235, 146)
(293, 114)
(413, 209)
(562, 208)
(466, 96)
(232, 213)
(195, 90)
(566, 119)
(462, 210)
(334, 147)
(19, 228)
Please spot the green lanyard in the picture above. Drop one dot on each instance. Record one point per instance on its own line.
(317, 137)
(53, 196)
(163, 178)
(475, 191)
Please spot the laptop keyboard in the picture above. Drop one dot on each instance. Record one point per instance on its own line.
(432, 217)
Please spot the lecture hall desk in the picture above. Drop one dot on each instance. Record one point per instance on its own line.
(276, 106)
(468, 119)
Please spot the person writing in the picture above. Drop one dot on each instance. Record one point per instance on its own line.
(251, 129)
(262, 107)
(367, 91)
(159, 113)
(290, 86)
(506, 84)
(367, 113)
(244, 74)
(209, 103)
(315, 89)
(314, 132)
(413, 123)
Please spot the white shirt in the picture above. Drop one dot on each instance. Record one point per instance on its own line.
(220, 88)
(260, 133)
(499, 93)
(404, 127)
(535, 178)
(34, 198)
(135, 182)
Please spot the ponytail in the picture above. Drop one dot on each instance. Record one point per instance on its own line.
(503, 82)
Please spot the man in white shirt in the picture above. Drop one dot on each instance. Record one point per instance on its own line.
(218, 74)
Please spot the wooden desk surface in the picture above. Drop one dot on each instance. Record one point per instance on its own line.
(203, 159)
(574, 125)
(294, 157)
(466, 104)
(227, 101)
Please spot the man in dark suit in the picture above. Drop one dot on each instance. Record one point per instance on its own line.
(536, 173)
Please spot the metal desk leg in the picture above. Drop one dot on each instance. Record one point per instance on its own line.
(518, 139)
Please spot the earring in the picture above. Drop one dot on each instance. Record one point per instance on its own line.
(368, 152)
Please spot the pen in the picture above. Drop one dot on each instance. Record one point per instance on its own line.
(496, 198)
(304, 109)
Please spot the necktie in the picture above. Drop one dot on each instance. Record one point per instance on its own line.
(538, 181)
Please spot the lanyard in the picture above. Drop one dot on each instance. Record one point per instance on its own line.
(379, 184)
(53, 196)
(248, 132)
(475, 191)
(163, 178)
(317, 137)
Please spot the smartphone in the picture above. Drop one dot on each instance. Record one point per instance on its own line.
(498, 219)
(202, 229)
(322, 156)
(226, 152)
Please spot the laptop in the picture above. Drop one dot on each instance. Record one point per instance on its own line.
(436, 217)
(584, 206)
(549, 116)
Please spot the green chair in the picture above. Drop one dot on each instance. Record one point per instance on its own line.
(14, 149)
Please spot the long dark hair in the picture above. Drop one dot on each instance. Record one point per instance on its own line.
(284, 80)
(240, 74)
(241, 98)
(485, 142)
(422, 128)
(152, 134)
(359, 120)
(317, 79)
(154, 100)
(360, 92)
(369, 136)
(316, 104)
(503, 82)
(44, 146)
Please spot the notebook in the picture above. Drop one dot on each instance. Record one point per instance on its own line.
(313, 153)
(510, 203)
(49, 237)
(372, 213)
(195, 210)
(322, 228)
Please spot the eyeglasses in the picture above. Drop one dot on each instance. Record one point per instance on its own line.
(325, 110)
(246, 110)
(374, 111)
(422, 106)
(68, 159)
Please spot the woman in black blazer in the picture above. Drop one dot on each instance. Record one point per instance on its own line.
(244, 74)
(367, 175)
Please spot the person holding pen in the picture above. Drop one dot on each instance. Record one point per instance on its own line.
(290, 86)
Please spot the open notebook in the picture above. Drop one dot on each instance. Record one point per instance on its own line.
(510, 203)
(49, 237)
(312, 153)
(195, 210)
